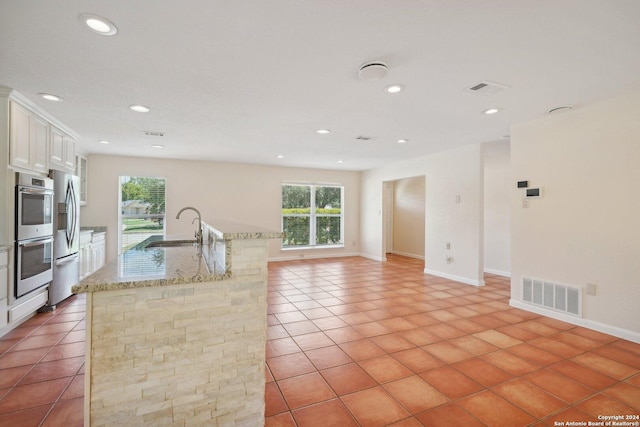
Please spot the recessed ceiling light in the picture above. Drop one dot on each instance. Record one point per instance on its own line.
(402, 141)
(280, 156)
(323, 131)
(491, 111)
(157, 146)
(340, 161)
(503, 137)
(50, 97)
(394, 88)
(103, 141)
(140, 108)
(99, 24)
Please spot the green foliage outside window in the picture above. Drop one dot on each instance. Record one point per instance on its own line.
(311, 215)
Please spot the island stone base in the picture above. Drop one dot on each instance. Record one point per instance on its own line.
(188, 354)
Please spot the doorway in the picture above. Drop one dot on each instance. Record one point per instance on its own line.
(404, 217)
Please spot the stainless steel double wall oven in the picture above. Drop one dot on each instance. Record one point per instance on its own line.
(34, 233)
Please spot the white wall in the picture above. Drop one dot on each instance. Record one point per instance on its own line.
(408, 217)
(246, 194)
(497, 208)
(448, 174)
(586, 227)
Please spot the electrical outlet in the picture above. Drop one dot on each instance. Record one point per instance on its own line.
(448, 245)
(525, 203)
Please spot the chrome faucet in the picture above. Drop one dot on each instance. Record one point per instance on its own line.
(198, 233)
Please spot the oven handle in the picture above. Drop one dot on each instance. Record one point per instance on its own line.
(35, 190)
(32, 243)
(67, 260)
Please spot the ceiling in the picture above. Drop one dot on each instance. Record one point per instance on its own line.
(246, 81)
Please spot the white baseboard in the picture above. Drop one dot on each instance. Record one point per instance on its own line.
(455, 278)
(310, 255)
(408, 255)
(373, 257)
(579, 321)
(498, 272)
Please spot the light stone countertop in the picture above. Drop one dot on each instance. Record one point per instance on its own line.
(227, 230)
(138, 268)
(162, 266)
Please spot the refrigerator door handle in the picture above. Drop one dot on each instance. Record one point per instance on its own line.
(67, 260)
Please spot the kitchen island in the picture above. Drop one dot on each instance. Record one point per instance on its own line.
(176, 335)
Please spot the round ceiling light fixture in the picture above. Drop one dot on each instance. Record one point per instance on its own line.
(98, 24)
(394, 88)
(139, 108)
(560, 109)
(103, 141)
(402, 141)
(491, 111)
(323, 131)
(50, 97)
(157, 146)
(373, 70)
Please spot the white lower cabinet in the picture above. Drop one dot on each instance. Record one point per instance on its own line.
(98, 251)
(92, 253)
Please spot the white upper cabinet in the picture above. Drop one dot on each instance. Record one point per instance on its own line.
(29, 139)
(38, 141)
(62, 151)
(39, 149)
(81, 171)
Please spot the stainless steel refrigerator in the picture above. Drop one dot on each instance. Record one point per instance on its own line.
(66, 236)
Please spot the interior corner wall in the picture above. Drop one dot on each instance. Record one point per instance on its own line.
(448, 174)
(497, 208)
(408, 217)
(241, 193)
(585, 228)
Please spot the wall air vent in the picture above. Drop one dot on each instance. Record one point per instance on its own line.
(487, 88)
(364, 138)
(152, 133)
(554, 296)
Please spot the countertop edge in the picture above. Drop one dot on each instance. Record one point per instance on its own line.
(149, 283)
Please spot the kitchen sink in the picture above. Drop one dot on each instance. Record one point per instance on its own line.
(170, 243)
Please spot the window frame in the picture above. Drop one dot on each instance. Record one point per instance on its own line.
(313, 216)
(122, 216)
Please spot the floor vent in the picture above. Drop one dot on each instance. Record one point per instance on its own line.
(563, 298)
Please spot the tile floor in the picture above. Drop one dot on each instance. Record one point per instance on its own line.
(354, 342)
(42, 369)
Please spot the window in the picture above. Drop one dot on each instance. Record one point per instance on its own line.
(312, 215)
(141, 214)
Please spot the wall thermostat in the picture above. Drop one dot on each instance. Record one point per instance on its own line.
(534, 192)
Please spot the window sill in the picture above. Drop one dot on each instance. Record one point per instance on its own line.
(306, 248)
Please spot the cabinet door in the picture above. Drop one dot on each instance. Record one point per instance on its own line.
(39, 144)
(57, 148)
(81, 171)
(102, 254)
(19, 137)
(69, 154)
